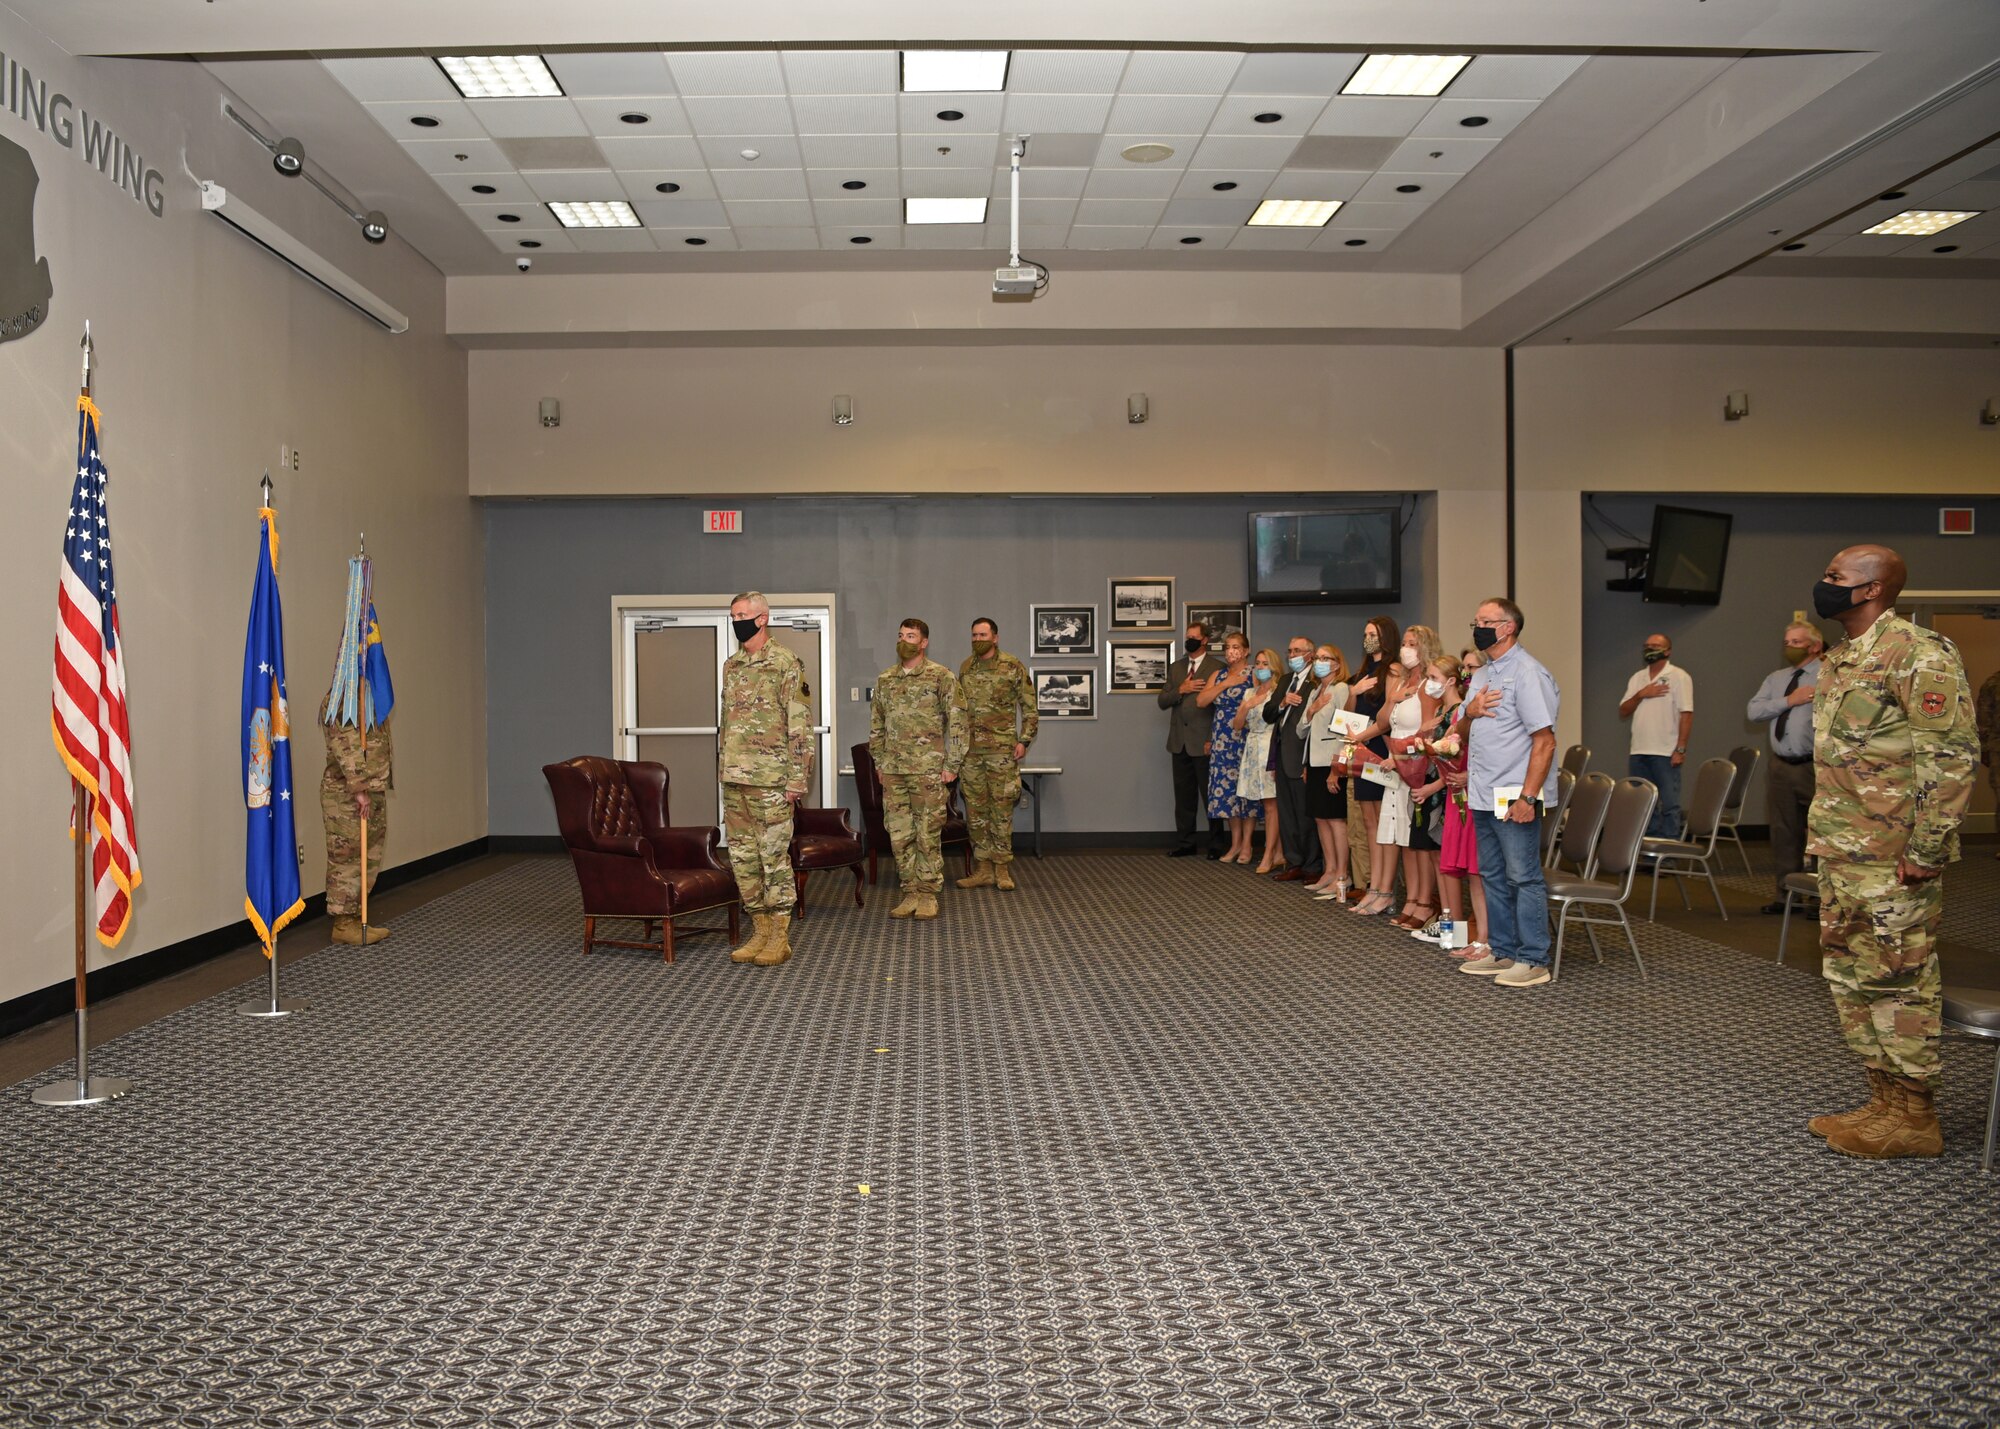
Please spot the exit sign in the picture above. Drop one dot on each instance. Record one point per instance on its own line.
(722, 523)
(1955, 520)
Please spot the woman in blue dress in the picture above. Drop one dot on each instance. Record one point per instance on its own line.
(1221, 696)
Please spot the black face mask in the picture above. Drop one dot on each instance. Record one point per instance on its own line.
(1484, 637)
(1653, 657)
(1830, 599)
(1193, 645)
(745, 629)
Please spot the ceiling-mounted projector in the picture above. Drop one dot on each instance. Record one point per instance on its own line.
(1016, 282)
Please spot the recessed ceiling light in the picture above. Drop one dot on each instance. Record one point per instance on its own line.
(1225, 186)
(1416, 75)
(855, 184)
(861, 238)
(1409, 188)
(499, 76)
(1190, 240)
(954, 71)
(1922, 222)
(595, 213)
(666, 188)
(1355, 243)
(1268, 117)
(1946, 248)
(951, 116)
(1474, 121)
(944, 210)
(1294, 213)
(484, 189)
(1146, 153)
(423, 121)
(694, 242)
(529, 243)
(1892, 196)
(633, 116)
(1791, 248)
(508, 217)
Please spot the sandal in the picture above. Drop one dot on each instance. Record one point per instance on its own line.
(1411, 922)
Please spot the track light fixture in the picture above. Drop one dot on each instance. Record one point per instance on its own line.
(288, 157)
(375, 227)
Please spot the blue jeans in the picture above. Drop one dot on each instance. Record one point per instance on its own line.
(1666, 778)
(1517, 898)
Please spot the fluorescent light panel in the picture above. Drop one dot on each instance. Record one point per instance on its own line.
(954, 71)
(499, 76)
(1922, 222)
(944, 210)
(596, 213)
(1417, 75)
(1294, 213)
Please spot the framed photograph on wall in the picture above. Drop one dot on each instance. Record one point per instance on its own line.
(1063, 630)
(1142, 603)
(1219, 616)
(1066, 694)
(1137, 667)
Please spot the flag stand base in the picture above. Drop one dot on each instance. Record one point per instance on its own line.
(72, 1093)
(273, 1005)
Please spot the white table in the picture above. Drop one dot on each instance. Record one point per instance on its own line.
(1031, 781)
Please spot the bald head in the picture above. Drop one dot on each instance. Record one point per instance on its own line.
(1860, 564)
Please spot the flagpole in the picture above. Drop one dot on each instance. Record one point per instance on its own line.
(272, 1005)
(362, 705)
(84, 1090)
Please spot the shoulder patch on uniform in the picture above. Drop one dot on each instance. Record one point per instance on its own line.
(1936, 700)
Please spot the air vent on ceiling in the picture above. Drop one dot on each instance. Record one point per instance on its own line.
(569, 153)
(1339, 151)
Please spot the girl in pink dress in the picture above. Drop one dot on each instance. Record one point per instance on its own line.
(1458, 857)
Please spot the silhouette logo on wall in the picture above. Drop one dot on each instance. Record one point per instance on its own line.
(25, 285)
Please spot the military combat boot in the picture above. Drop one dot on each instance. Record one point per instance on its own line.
(1003, 877)
(1878, 1086)
(777, 941)
(349, 929)
(1907, 1125)
(980, 877)
(926, 906)
(907, 907)
(758, 940)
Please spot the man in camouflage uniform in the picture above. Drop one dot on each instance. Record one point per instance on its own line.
(995, 686)
(916, 736)
(1893, 755)
(354, 790)
(765, 751)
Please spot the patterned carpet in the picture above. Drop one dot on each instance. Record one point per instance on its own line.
(1151, 1143)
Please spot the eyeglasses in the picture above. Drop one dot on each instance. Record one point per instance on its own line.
(1491, 624)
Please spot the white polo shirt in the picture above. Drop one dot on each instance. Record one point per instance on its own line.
(1656, 723)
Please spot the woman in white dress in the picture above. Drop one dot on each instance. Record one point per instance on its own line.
(1255, 782)
(1403, 717)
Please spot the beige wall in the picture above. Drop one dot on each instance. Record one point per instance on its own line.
(212, 354)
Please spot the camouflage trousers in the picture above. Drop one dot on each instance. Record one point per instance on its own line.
(758, 824)
(343, 842)
(913, 807)
(1880, 944)
(991, 783)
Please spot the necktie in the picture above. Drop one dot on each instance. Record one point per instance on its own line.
(1778, 734)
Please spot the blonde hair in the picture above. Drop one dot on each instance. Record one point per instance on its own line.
(1277, 661)
(1429, 647)
(1338, 675)
(752, 598)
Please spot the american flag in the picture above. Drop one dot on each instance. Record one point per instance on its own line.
(88, 708)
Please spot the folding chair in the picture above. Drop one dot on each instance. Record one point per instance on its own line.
(1587, 808)
(1576, 759)
(1975, 1012)
(1797, 886)
(1552, 819)
(1678, 858)
(1630, 806)
(1744, 757)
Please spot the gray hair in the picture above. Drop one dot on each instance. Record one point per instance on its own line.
(1810, 629)
(754, 599)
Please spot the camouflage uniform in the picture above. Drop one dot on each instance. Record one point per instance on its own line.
(1893, 751)
(916, 732)
(991, 777)
(352, 769)
(765, 750)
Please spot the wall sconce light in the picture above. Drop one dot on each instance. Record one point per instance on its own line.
(1136, 409)
(843, 411)
(551, 412)
(1989, 415)
(1736, 406)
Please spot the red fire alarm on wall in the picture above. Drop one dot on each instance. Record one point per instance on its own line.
(1955, 521)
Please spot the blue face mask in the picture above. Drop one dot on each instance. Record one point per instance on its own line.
(1262, 674)
(1296, 663)
(1322, 668)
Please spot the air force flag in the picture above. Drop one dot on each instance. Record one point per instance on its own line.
(271, 851)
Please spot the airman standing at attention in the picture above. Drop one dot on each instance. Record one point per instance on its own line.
(765, 753)
(996, 685)
(1893, 755)
(916, 736)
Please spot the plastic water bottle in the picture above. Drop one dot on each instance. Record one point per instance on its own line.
(1444, 930)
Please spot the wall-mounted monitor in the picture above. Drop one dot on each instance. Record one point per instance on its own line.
(1346, 556)
(1689, 550)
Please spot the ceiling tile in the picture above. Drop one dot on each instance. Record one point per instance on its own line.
(1033, 240)
(576, 185)
(879, 236)
(612, 240)
(1051, 149)
(553, 240)
(827, 183)
(1170, 236)
(1807, 244)
(660, 152)
(560, 151)
(1982, 196)
(845, 114)
(769, 213)
(1200, 183)
(728, 72)
(644, 183)
(526, 118)
(664, 116)
(1870, 245)
(920, 151)
(1445, 121)
(1093, 236)
(1318, 74)
(507, 188)
(1315, 183)
(945, 235)
(1379, 215)
(851, 151)
(1513, 76)
(683, 240)
(391, 77)
(1109, 155)
(678, 212)
(1371, 114)
(1065, 71)
(1438, 156)
(456, 156)
(761, 183)
(770, 240)
(739, 114)
(1228, 152)
(1161, 113)
(1238, 114)
(854, 215)
(840, 71)
(1385, 187)
(1025, 113)
(1179, 72)
(1042, 183)
(1134, 181)
(1274, 238)
(1347, 153)
(948, 183)
(1357, 241)
(1038, 212)
(774, 151)
(455, 119)
(1215, 211)
(630, 72)
(918, 113)
(528, 216)
(1101, 212)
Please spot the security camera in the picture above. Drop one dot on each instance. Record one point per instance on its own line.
(524, 264)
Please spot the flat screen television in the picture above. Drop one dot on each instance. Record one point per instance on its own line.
(1685, 563)
(1346, 556)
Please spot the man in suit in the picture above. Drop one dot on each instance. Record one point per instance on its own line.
(1287, 711)
(1187, 741)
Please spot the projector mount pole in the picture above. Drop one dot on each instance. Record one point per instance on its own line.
(1020, 151)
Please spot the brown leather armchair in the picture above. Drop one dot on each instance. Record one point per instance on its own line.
(629, 862)
(823, 839)
(868, 784)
